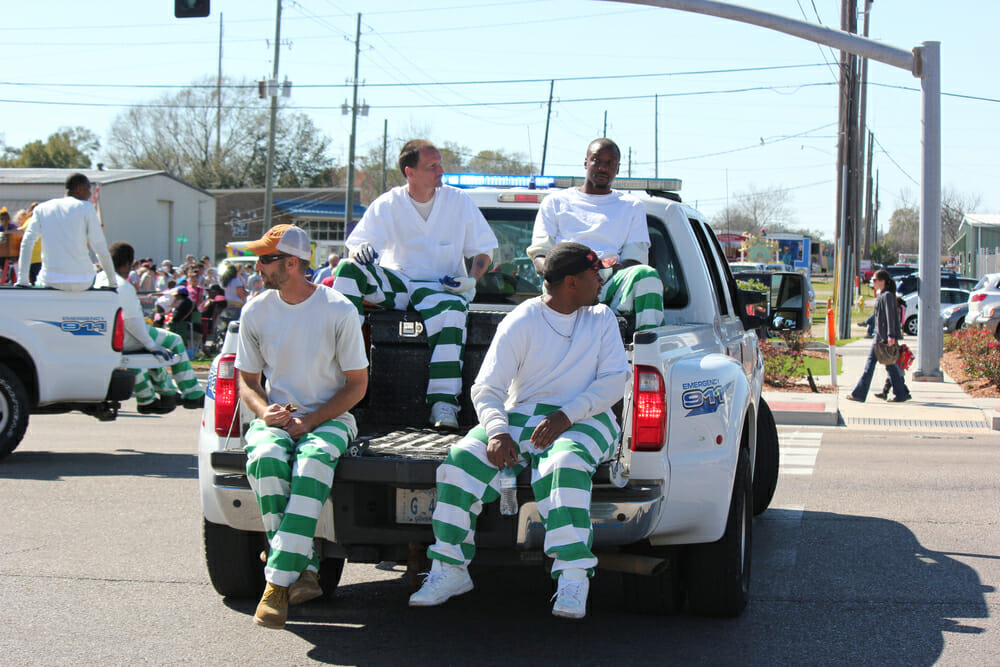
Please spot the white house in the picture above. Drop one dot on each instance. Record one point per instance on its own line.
(160, 215)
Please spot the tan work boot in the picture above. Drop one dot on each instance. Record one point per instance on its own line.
(272, 611)
(305, 589)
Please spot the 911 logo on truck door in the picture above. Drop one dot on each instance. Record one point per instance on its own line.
(81, 326)
(702, 397)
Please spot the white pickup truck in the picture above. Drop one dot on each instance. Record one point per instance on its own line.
(672, 509)
(59, 351)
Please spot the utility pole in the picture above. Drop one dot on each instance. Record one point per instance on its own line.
(548, 117)
(349, 198)
(218, 98)
(385, 148)
(268, 185)
(656, 137)
(860, 154)
(846, 237)
(604, 132)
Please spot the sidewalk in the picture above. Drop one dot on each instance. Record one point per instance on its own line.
(935, 405)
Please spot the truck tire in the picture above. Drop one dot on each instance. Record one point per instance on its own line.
(14, 409)
(765, 464)
(233, 558)
(659, 595)
(330, 570)
(717, 575)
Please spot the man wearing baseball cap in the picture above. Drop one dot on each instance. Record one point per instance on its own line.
(613, 223)
(543, 395)
(306, 339)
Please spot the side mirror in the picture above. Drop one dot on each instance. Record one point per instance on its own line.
(789, 303)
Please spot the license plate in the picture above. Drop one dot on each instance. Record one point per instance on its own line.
(415, 505)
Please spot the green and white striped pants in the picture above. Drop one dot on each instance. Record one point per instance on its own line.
(560, 478)
(152, 381)
(637, 289)
(444, 316)
(292, 480)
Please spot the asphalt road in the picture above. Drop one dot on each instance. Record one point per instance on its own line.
(880, 549)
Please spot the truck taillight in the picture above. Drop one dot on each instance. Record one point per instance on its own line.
(118, 332)
(649, 410)
(227, 397)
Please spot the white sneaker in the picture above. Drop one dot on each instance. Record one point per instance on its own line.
(571, 596)
(444, 415)
(443, 582)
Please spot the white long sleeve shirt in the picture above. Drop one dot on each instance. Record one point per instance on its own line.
(68, 225)
(612, 225)
(540, 355)
(424, 249)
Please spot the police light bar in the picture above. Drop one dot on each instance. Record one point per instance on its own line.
(645, 184)
(497, 181)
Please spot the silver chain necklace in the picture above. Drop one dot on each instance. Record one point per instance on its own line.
(559, 333)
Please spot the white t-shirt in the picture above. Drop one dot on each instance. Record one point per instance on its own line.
(68, 226)
(302, 349)
(605, 223)
(531, 361)
(424, 249)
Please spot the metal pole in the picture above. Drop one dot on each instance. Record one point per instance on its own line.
(269, 178)
(656, 137)
(929, 335)
(548, 116)
(385, 148)
(349, 198)
(218, 98)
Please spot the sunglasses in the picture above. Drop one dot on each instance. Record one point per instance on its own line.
(268, 259)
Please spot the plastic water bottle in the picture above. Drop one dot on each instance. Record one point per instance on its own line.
(508, 492)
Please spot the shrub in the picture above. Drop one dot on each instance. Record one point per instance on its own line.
(782, 365)
(979, 351)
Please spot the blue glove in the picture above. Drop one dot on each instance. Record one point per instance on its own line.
(162, 353)
(365, 254)
(457, 285)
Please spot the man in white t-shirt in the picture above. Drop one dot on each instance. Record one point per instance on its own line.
(544, 395)
(69, 226)
(306, 339)
(420, 234)
(155, 392)
(614, 225)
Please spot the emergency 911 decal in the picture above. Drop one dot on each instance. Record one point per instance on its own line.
(80, 326)
(702, 397)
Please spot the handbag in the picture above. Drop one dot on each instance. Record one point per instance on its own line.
(886, 354)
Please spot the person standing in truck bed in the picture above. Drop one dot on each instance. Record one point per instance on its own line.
(614, 225)
(306, 339)
(421, 233)
(544, 395)
(69, 225)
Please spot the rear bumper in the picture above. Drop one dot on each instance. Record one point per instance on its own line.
(363, 508)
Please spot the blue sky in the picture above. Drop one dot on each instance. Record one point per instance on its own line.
(739, 107)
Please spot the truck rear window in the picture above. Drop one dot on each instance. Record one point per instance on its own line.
(512, 278)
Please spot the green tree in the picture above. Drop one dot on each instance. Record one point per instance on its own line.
(882, 253)
(177, 133)
(69, 148)
(498, 162)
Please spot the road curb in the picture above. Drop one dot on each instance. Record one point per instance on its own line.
(802, 409)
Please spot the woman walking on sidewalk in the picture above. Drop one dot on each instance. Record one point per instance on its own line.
(886, 330)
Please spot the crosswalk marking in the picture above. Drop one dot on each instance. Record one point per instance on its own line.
(798, 451)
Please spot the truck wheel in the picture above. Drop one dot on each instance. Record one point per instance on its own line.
(330, 570)
(911, 325)
(765, 464)
(659, 595)
(233, 558)
(717, 575)
(13, 411)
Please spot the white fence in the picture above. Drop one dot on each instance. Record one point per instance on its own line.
(987, 261)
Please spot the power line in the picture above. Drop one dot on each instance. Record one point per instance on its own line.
(735, 70)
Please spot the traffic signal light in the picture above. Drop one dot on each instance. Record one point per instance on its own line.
(186, 9)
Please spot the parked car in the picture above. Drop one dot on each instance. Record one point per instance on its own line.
(895, 271)
(910, 283)
(953, 316)
(949, 297)
(983, 301)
